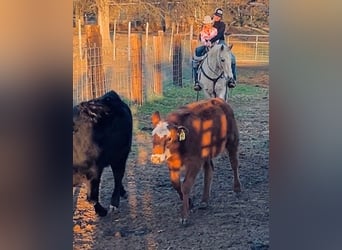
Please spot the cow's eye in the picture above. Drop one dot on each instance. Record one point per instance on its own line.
(169, 139)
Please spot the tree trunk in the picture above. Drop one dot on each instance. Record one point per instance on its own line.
(103, 22)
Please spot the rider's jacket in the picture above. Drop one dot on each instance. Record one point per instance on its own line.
(220, 26)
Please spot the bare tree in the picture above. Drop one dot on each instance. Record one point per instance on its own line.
(160, 14)
(103, 21)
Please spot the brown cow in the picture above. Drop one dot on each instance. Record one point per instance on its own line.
(189, 138)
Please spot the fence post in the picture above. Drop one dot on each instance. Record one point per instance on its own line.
(95, 71)
(80, 39)
(129, 41)
(171, 41)
(194, 44)
(256, 47)
(146, 36)
(114, 40)
(177, 61)
(157, 75)
(190, 38)
(136, 66)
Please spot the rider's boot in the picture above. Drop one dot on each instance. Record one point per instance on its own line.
(232, 83)
(195, 64)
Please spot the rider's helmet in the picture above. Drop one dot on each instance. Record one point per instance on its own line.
(218, 12)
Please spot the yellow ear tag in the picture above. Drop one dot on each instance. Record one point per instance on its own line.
(182, 135)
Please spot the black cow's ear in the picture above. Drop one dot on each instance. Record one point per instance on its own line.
(182, 133)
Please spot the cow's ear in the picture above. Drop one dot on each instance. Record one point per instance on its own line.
(155, 118)
(182, 133)
(173, 135)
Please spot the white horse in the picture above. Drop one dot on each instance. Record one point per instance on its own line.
(215, 72)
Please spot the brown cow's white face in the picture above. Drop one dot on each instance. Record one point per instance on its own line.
(161, 138)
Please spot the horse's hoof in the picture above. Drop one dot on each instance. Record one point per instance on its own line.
(197, 88)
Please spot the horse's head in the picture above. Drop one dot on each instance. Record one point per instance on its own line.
(224, 59)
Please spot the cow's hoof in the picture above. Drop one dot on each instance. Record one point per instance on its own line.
(101, 211)
(183, 221)
(203, 205)
(113, 209)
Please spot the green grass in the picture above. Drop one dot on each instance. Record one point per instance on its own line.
(175, 97)
(244, 89)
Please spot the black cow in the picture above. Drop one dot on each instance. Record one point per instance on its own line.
(102, 136)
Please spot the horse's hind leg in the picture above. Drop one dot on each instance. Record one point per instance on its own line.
(208, 176)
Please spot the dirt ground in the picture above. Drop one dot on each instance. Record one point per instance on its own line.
(148, 219)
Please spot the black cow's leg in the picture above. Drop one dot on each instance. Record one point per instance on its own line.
(118, 170)
(94, 194)
(123, 192)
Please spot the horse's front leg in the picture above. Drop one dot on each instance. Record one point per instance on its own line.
(221, 89)
(208, 89)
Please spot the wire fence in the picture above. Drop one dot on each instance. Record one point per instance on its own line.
(139, 65)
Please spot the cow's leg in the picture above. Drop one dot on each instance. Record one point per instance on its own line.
(190, 176)
(234, 162)
(175, 181)
(118, 170)
(208, 176)
(93, 195)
